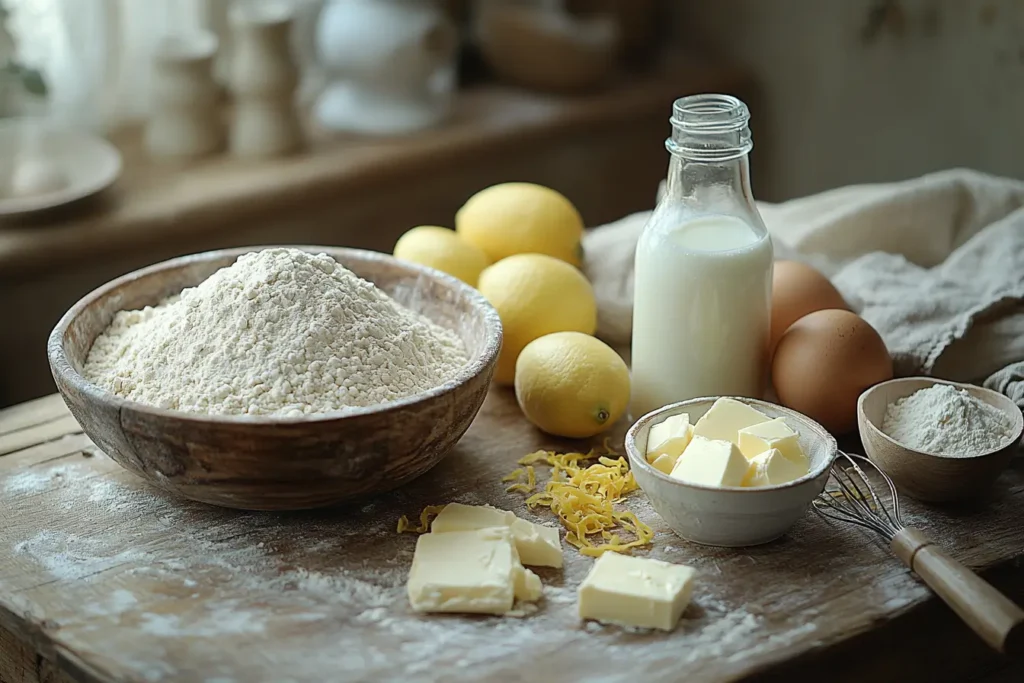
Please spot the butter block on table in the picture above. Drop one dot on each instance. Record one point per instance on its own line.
(725, 418)
(635, 591)
(537, 545)
(459, 517)
(465, 571)
(669, 437)
(710, 462)
(759, 438)
(772, 468)
(527, 585)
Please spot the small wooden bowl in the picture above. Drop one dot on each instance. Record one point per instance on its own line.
(927, 476)
(534, 48)
(264, 463)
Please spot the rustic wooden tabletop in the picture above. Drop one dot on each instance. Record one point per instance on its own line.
(103, 578)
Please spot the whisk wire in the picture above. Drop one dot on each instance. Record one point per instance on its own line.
(897, 513)
(853, 493)
(838, 514)
(853, 499)
(829, 505)
(879, 508)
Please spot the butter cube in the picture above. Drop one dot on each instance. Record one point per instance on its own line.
(537, 545)
(669, 437)
(772, 468)
(635, 591)
(725, 418)
(665, 462)
(464, 571)
(757, 439)
(709, 462)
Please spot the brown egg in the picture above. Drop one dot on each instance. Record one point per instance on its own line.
(822, 364)
(798, 289)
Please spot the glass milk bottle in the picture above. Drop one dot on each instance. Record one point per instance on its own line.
(703, 277)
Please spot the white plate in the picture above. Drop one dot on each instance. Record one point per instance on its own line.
(90, 163)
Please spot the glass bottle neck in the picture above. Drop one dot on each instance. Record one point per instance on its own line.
(709, 169)
(709, 183)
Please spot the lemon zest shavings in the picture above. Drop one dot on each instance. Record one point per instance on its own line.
(426, 517)
(513, 475)
(529, 486)
(582, 496)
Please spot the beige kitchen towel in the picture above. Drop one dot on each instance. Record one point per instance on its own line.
(935, 264)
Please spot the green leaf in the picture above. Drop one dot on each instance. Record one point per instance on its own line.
(33, 82)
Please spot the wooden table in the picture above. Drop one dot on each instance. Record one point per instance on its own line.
(103, 578)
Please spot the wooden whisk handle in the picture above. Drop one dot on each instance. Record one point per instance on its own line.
(993, 616)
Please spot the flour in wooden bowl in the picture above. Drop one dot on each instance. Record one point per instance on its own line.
(280, 332)
(948, 421)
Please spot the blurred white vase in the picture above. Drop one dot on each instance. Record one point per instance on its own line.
(263, 79)
(390, 65)
(184, 121)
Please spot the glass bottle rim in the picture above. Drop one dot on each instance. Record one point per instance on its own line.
(710, 128)
(709, 113)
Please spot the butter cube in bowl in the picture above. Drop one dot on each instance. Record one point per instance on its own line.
(748, 471)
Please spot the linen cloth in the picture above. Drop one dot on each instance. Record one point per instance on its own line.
(935, 264)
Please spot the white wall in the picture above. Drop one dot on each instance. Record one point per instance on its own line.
(941, 85)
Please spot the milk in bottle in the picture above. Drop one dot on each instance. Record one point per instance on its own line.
(702, 282)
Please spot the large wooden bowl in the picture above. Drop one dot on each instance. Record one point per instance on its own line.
(926, 476)
(264, 463)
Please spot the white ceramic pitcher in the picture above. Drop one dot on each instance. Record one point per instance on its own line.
(390, 64)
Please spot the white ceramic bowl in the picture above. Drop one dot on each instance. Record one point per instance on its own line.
(729, 515)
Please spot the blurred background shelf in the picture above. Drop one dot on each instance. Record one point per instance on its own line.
(604, 151)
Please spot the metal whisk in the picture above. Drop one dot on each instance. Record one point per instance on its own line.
(850, 497)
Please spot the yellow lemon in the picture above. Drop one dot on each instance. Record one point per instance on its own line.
(521, 218)
(571, 384)
(535, 295)
(441, 248)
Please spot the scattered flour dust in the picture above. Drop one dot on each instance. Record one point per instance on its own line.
(34, 480)
(69, 557)
(280, 332)
(947, 420)
(240, 576)
(75, 483)
(229, 585)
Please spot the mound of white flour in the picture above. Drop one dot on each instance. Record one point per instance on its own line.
(280, 332)
(948, 421)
